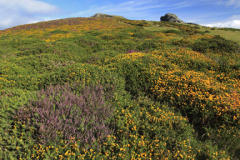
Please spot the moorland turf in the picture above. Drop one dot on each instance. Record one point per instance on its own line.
(130, 89)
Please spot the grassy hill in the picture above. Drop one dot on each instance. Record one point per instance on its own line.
(113, 88)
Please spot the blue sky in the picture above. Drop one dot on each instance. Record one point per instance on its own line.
(217, 13)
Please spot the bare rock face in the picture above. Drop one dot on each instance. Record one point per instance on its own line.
(170, 17)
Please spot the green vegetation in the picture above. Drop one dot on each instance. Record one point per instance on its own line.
(229, 29)
(112, 88)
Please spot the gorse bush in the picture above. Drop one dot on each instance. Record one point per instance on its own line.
(182, 42)
(58, 109)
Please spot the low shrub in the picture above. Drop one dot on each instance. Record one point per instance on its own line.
(83, 117)
(143, 34)
(174, 31)
(150, 45)
(59, 32)
(216, 44)
(196, 27)
(229, 29)
(201, 32)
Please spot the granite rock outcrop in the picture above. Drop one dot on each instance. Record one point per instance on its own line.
(170, 17)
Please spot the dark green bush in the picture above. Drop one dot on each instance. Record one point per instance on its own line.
(122, 35)
(149, 45)
(58, 32)
(90, 43)
(196, 27)
(216, 44)
(143, 34)
(15, 43)
(144, 24)
(174, 31)
(229, 29)
(236, 67)
(27, 50)
(182, 42)
(135, 75)
(201, 32)
(83, 40)
(127, 30)
(93, 32)
(207, 31)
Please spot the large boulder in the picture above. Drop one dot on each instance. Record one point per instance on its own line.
(170, 17)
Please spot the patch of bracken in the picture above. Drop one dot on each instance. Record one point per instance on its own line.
(58, 109)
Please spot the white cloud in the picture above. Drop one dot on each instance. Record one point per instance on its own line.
(229, 24)
(28, 6)
(235, 3)
(17, 12)
(235, 17)
(181, 5)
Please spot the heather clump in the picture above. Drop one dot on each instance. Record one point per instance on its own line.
(58, 109)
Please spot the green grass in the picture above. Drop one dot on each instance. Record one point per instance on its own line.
(176, 87)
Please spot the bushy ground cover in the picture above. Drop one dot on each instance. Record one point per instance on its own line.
(96, 88)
